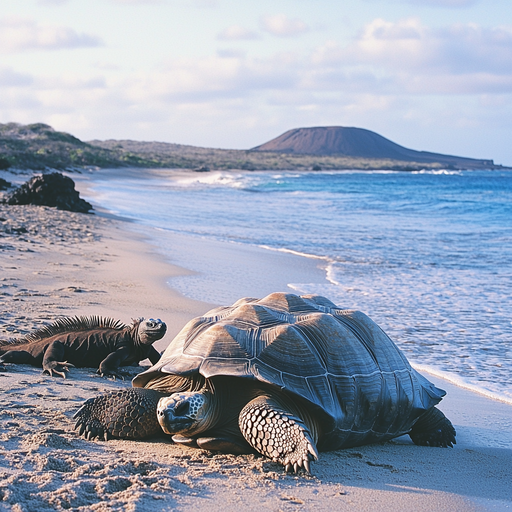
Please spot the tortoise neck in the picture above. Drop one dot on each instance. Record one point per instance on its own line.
(227, 396)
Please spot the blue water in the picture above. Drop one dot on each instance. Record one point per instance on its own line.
(427, 255)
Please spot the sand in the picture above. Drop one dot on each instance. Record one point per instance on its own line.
(55, 264)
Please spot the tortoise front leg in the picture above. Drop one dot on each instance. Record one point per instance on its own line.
(126, 414)
(278, 434)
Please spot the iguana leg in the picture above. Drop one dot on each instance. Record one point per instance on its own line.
(433, 428)
(53, 360)
(110, 365)
(126, 414)
(278, 434)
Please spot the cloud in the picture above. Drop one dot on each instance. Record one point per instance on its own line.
(52, 2)
(11, 78)
(206, 3)
(459, 57)
(237, 33)
(135, 2)
(399, 73)
(231, 53)
(196, 80)
(444, 3)
(440, 3)
(196, 3)
(399, 59)
(18, 34)
(385, 59)
(282, 26)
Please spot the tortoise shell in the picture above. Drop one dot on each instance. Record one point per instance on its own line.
(337, 360)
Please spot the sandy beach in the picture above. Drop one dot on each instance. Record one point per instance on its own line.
(56, 263)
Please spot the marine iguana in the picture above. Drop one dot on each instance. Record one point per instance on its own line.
(94, 341)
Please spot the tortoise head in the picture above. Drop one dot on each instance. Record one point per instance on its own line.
(150, 330)
(186, 413)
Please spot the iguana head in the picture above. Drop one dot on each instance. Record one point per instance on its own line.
(149, 330)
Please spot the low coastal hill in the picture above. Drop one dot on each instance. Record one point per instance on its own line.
(358, 143)
(38, 146)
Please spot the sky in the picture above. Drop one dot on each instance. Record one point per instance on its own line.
(431, 75)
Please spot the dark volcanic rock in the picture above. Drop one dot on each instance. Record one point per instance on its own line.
(52, 189)
(4, 184)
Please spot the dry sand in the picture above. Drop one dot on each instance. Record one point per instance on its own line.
(56, 263)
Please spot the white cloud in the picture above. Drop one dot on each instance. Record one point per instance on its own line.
(135, 2)
(72, 82)
(196, 80)
(387, 60)
(231, 53)
(52, 2)
(206, 3)
(444, 3)
(440, 3)
(17, 34)
(237, 33)
(461, 58)
(282, 26)
(389, 71)
(11, 78)
(196, 3)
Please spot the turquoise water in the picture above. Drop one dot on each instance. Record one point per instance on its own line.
(427, 255)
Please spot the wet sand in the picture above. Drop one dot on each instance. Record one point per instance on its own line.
(55, 264)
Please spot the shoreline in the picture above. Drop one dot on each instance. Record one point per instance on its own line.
(221, 271)
(79, 264)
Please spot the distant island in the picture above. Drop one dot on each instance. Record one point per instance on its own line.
(39, 147)
(360, 143)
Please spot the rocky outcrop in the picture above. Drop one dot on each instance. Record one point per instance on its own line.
(52, 189)
(4, 184)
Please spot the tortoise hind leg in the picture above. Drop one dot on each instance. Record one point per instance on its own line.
(126, 414)
(278, 434)
(433, 428)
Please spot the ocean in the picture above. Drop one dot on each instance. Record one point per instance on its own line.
(427, 255)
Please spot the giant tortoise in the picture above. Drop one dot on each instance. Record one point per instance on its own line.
(285, 376)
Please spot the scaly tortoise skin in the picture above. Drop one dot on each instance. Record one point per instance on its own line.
(285, 375)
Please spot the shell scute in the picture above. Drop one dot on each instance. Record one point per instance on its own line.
(268, 374)
(253, 315)
(233, 367)
(288, 303)
(335, 345)
(291, 351)
(216, 341)
(321, 392)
